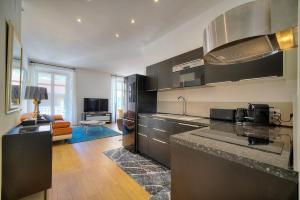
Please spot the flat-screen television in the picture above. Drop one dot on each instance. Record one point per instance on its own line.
(95, 105)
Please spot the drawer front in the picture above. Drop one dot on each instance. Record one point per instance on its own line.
(143, 129)
(159, 151)
(184, 127)
(163, 124)
(143, 143)
(159, 134)
(143, 120)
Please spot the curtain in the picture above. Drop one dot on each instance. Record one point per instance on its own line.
(117, 96)
(61, 85)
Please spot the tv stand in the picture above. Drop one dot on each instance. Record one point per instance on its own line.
(100, 116)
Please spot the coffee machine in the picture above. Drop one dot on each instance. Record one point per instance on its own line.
(258, 114)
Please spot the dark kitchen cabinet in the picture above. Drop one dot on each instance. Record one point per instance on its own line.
(264, 67)
(159, 151)
(161, 76)
(154, 136)
(165, 75)
(143, 143)
(199, 175)
(188, 56)
(152, 77)
(26, 161)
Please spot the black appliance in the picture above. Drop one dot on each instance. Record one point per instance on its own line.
(189, 74)
(240, 115)
(95, 105)
(138, 100)
(222, 114)
(258, 113)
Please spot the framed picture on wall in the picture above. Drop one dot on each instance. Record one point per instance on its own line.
(14, 57)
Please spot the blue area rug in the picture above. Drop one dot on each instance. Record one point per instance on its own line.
(93, 133)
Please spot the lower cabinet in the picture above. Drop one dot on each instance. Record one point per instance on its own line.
(159, 151)
(153, 137)
(143, 144)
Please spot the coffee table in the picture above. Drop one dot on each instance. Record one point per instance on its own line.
(90, 123)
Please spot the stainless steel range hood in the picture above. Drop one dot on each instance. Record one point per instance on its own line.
(251, 31)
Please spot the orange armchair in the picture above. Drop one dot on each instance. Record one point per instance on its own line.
(61, 130)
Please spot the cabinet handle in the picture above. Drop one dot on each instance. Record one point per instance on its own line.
(142, 125)
(164, 89)
(196, 126)
(159, 141)
(142, 135)
(160, 130)
(159, 119)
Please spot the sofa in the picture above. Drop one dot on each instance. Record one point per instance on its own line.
(61, 130)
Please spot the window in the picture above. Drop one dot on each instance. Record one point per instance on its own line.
(59, 84)
(57, 97)
(118, 96)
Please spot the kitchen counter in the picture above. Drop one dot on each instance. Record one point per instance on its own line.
(274, 161)
(268, 162)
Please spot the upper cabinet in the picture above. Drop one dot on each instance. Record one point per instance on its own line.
(152, 73)
(165, 75)
(265, 67)
(188, 56)
(161, 75)
(190, 72)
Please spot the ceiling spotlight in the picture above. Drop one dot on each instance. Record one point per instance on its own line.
(117, 35)
(79, 20)
(132, 21)
(156, 1)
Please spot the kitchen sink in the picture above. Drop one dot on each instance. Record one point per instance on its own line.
(179, 117)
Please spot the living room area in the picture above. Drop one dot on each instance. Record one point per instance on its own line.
(78, 107)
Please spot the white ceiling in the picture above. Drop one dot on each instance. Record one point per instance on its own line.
(50, 32)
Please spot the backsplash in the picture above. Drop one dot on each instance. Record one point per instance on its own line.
(202, 108)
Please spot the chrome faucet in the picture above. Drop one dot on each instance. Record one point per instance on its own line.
(179, 99)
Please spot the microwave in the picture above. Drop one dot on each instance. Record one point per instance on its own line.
(189, 74)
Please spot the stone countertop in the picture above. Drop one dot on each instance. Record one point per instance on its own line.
(268, 162)
(271, 163)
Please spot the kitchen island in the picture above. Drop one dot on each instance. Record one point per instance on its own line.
(212, 163)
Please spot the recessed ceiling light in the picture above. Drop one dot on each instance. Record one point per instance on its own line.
(132, 21)
(79, 20)
(117, 35)
(156, 1)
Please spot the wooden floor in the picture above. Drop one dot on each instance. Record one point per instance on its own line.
(82, 172)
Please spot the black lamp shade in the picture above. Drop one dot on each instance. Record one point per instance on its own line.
(38, 93)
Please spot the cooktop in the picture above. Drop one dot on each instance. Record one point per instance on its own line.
(255, 137)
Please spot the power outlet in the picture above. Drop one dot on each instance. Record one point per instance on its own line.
(272, 110)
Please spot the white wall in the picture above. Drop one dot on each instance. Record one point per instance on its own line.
(9, 10)
(187, 36)
(91, 84)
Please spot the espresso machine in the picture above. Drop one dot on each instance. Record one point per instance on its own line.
(255, 113)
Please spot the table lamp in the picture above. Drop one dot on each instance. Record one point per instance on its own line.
(36, 94)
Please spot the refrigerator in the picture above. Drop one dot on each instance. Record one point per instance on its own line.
(137, 100)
